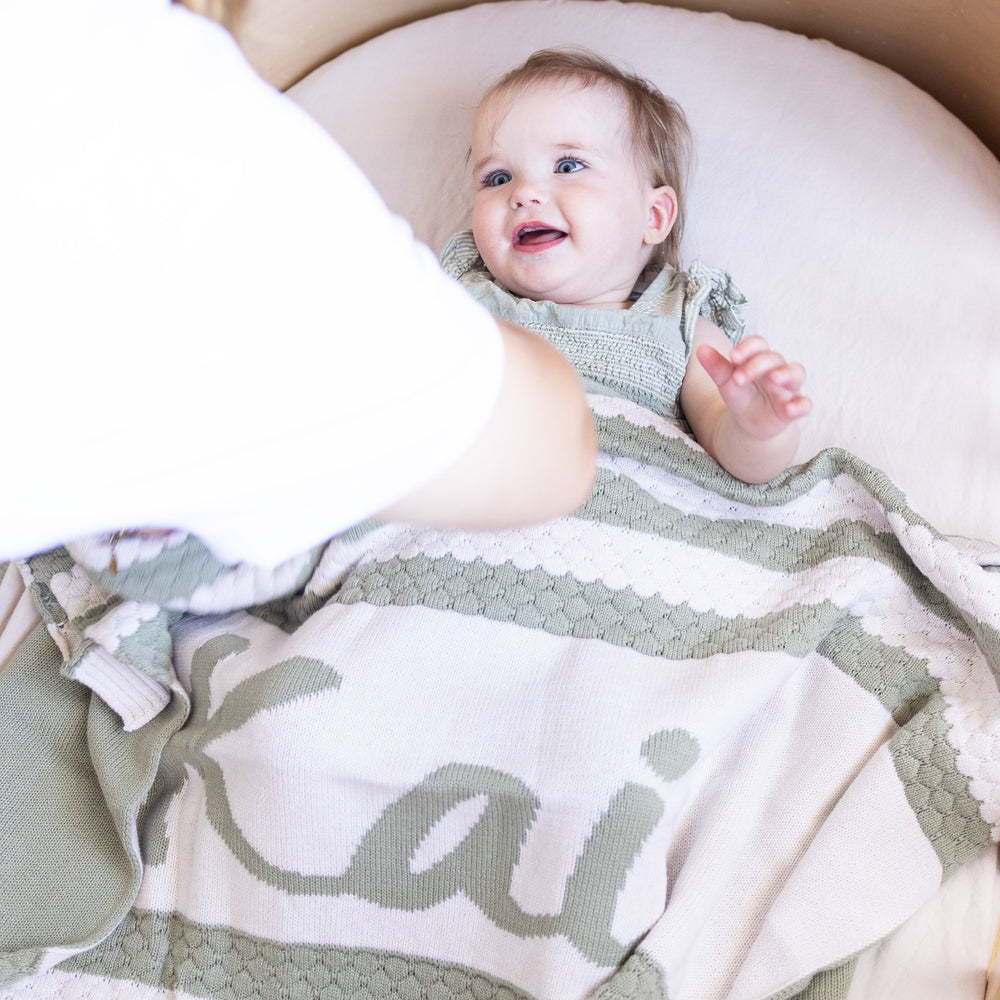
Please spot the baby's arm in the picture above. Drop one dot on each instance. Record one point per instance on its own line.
(743, 403)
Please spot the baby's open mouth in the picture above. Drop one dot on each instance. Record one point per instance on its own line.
(536, 235)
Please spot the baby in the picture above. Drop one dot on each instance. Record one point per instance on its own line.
(578, 171)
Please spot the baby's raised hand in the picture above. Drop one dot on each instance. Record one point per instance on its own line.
(760, 388)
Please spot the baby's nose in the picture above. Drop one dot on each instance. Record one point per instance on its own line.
(526, 192)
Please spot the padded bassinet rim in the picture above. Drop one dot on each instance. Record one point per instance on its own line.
(946, 50)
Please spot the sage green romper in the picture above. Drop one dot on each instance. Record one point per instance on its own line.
(639, 353)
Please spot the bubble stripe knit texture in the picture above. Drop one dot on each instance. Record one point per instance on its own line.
(226, 964)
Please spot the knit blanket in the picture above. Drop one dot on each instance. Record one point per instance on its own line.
(699, 740)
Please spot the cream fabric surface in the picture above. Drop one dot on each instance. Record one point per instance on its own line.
(861, 219)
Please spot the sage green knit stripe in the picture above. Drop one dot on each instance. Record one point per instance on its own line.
(16, 965)
(49, 881)
(44, 567)
(619, 437)
(172, 952)
(899, 680)
(621, 502)
(937, 791)
(564, 606)
(638, 978)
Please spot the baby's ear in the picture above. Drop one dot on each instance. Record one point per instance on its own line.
(662, 215)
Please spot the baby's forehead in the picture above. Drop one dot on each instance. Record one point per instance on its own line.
(602, 93)
(543, 99)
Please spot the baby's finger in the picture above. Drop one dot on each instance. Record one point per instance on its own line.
(718, 366)
(796, 408)
(757, 366)
(788, 376)
(747, 348)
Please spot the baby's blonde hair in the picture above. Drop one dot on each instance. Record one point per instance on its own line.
(661, 138)
(226, 12)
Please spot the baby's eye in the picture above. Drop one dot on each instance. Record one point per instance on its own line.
(495, 178)
(569, 165)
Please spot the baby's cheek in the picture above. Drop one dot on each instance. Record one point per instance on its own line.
(480, 228)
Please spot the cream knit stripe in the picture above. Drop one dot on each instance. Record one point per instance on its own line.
(574, 561)
(609, 407)
(58, 985)
(633, 432)
(948, 566)
(830, 984)
(970, 702)
(968, 709)
(134, 696)
(822, 506)
(787, 543)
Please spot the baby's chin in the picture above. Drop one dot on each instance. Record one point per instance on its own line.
(613, 299)
(562, 293)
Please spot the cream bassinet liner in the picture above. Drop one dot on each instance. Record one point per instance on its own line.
(861, 219)
(799, 269)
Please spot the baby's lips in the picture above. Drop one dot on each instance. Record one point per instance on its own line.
(537, 234)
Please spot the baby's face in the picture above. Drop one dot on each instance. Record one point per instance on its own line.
(562, 211)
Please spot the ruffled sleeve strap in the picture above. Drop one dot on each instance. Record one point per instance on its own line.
(461, 260)
(699, 291)
(712, 293)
